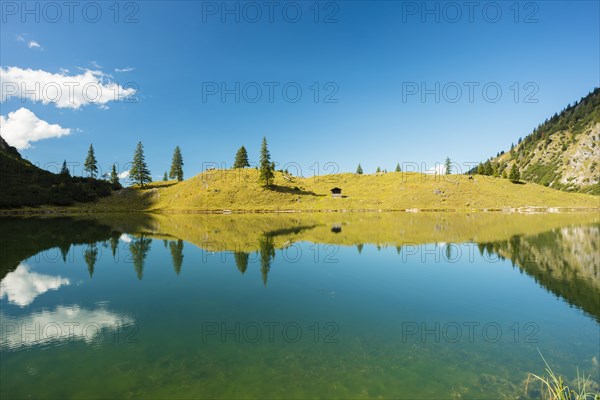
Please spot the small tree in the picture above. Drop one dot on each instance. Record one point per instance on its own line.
(114, 177)
(359, 170)
(514, 174)
(266, 167)
(378, 170)
(139, 170)
(176, 171)
(91, 164)
(64, 171)
(398, 168)
(480, 169)
(448, 166)
(241, 158)
(165, 177)
(487, 168)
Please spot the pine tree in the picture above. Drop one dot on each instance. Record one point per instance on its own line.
(176, 171)
(91, 164)
(480, 169)
(398, 168)
(139, 170)
(65, 170)
(448, 166)
(114, 177)
(266, 168)
(378, 170)
(165, 177)
(514, 174)
(487, 168)
(241, 158)
(359, 170)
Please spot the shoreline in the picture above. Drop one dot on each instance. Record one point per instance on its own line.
(504, 210)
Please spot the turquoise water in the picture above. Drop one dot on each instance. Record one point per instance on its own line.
(133, 315)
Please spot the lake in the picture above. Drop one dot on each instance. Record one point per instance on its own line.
(328, 305)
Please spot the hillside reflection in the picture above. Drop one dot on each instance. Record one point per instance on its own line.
(559, 251)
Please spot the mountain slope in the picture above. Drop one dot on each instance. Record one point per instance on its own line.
(24, 184)
(563, 152)
(219, 190)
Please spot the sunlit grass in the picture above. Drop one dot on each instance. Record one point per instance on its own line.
(553, 386)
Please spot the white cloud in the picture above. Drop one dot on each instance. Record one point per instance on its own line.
(22, 127)
(94, 64)
(126, 69)
(124, 175)
(126, 238)
(65, 323)
(33, 44)
(65, 91)
(22, 286)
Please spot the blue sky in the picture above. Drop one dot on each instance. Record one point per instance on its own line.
(368, 59)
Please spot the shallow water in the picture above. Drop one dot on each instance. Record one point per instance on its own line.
(333, 306)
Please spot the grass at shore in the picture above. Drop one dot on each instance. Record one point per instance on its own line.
(239, 190)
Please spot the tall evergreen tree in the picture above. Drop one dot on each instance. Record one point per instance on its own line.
(266, 168)
(448, 166)
(176, 171)
(91, 164)
(114, 177)
(398, 168)
(487, 168)
(139, 170)
(241, 158)
(359, 170)
(480, 169)
(165, 177)
(514, 174)
(65, 170)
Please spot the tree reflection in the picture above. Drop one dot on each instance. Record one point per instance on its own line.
(176, 248)
(90, 255)
(241, 260)
(139, 248)
(267, 254)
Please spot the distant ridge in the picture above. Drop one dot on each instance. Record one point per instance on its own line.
(563, 152)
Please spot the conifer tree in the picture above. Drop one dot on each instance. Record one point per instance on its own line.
(514, 174)
(165, 177)
(91, 164)
(359, 170)
(378, 170)
(487, 168)
(398, 168)
(139, 170)
(114, 177)
(65, 170)
(480, 169)
(176, 171)
(448, 166)
(266, 167)
(241, 158)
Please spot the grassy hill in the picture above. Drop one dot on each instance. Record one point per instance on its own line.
(239, 190)
(24, 184)
(563, 152)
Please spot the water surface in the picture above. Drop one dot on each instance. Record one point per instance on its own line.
(288, 306)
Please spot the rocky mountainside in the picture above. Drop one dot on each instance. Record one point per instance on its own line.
(563, 152)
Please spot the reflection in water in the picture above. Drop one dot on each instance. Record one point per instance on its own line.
(22, 286)
(64, 323)
(139, 248)
(368, 296)
(176, 248)
(241, 260)
(90, 255)
(267, 254)
(565, 261)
